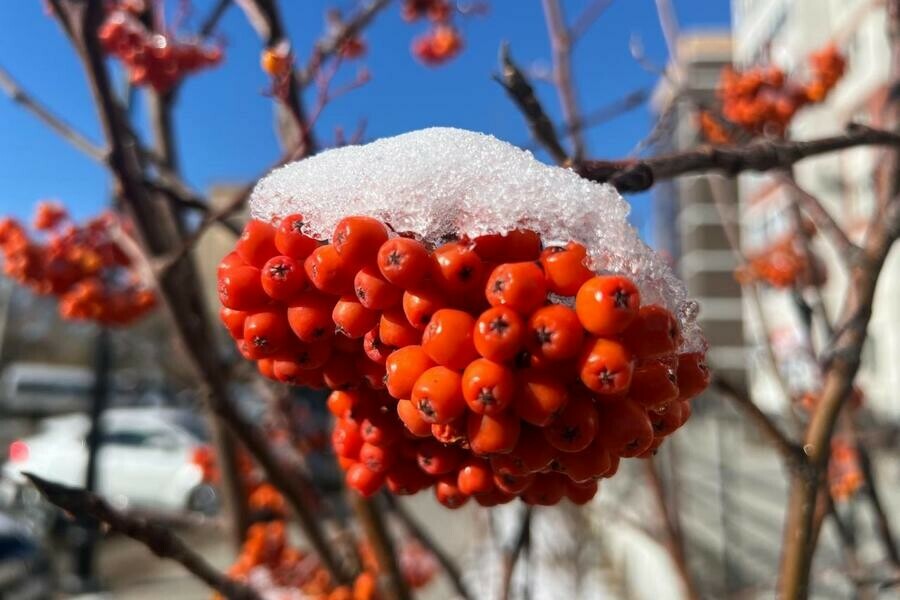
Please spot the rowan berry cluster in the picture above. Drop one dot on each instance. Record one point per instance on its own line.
(844, 473)
(268, 561)
(152, 59)
(764, 100)
(782, 265)
(82, 265)
(487, 367)
(442, 41)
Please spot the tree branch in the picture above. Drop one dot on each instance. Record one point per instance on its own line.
(333, 40)
(417, 531)
(159, 540)
(789, 451)
(18, 95)
(511, 555)
(212, 19)
(561, 46)
(822, 218)
(639, 175)
(674, 539)
(522, 94)
(372, 520)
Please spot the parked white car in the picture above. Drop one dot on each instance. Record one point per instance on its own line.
(146, 458)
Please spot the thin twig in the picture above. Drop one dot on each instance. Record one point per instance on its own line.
(822, 218)
(588, 17)
(417, 531)
(522, 93)
(561, 47)
(212, 19)
(675, 541)
(788, 450)
(18, 95)
(371, 517)
(511, 555)
(329, 44)
(881, 517)
(158, 539)
(638, 175)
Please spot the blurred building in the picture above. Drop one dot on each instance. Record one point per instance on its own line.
(688, 221)
(784, 33)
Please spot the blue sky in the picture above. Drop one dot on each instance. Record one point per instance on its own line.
(225, 121)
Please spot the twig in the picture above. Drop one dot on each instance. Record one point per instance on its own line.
(522, 93)
(881, 517)
(372, 520)
(788, 450)
(212, 19)
(822, 218)
(561, 46)
(417, 531)
(511, 555)
(332, 41)
(674, 539)
(159, 540)
(639, 175)
(18, 95)
(669, 25)
(265, 17)
(588, 17)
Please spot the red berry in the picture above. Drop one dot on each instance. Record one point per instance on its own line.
(520, 286)
(283, 278)
(290, 239)
(404, 262)
(257, 243)
(357, 239)
(448, 338)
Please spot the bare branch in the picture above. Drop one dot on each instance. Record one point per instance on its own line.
(332, 41)
(417, 531)
(212, 19)
(511, 555)
(159, 540)
(789, 451)
(588, 17)
(18, 95)
(822, 218)
(639, 175)
(522, 93)
(372, 520)
(674, 539)
(561, 46)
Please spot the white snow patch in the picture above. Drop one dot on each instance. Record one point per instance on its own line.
(442, 181)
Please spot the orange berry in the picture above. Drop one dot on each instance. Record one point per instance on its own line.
(362, 479)
(373, 291)
(420, 305)
(499, 334)
(357, 239)
(623, 428)
(448, 338)
(517, 245)
(405, 262)
(395, 330)
(575, 426)
(693, 374)
(257, 243)
(520, 286)
(493, 434)
(412, 419)
(436, 459)
(352, 318)
(290, 239)
(581, 493)
(654, 332)
(310, 317)
(605, 367)
(438, 395)
(487, 387)
(448, 493)
(565, 269)
(653, 383)
(328, 271)
(606, 304)
(475, 477)
(403, 367)
(541, 396)
(556, 333)
(459, 270)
